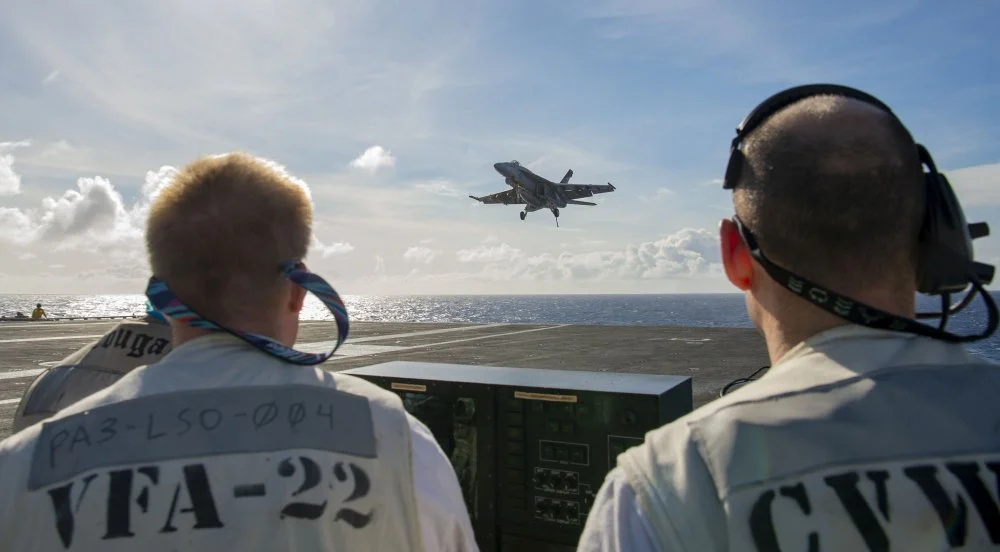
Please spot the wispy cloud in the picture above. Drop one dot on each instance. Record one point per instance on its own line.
(439, 187)
(391, 113)
(659, 194)
(979, 185)
(746, 39)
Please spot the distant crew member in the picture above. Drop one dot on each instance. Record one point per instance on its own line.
(38, 313)
(127, 346)
(234, 440)
(857, 438)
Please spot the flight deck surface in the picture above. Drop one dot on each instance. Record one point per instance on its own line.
(712, 357)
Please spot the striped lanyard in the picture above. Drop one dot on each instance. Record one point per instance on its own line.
(167, 303)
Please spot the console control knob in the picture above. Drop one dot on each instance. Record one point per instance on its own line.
(544, 507)
(571, 481)
(558, 481)
(542, 478)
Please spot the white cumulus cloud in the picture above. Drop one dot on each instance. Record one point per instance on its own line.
(10, 181)
(488, 253)
(94, 209)
(373, 159)
(326, 251)
(91, 215)
(420, 254)
(95, 215)
(688, 252)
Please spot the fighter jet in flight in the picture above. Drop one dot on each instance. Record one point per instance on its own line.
(535, 192)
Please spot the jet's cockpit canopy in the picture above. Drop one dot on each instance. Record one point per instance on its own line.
(515, 163)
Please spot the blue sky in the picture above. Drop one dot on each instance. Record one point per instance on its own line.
(645, 94)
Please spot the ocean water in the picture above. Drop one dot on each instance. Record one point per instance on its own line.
(701, 310)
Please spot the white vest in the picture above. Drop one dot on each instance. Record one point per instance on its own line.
(857, 439)
(217, 447)
(129, 345)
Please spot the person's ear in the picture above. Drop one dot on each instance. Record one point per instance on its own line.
(736, 257)
(297, 295)
(296, 298)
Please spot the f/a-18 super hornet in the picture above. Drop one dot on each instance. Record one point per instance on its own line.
(535, 192)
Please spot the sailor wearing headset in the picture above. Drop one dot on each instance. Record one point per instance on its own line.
(870, 431)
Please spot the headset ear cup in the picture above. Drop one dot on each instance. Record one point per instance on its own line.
(945, 244)
(927, 237)
(733, 169)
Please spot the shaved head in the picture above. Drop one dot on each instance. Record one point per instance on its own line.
(833, 189)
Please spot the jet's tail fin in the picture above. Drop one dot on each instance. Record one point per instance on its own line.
(565, 179)
(578, 202)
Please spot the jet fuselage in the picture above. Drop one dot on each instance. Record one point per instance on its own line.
(535, 191)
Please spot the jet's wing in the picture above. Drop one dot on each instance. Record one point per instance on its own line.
(507, 197)
(575, 191)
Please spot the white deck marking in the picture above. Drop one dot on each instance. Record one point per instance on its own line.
(9, 401)
(112, 322)
(50, 338)
(350, 349)
(335, 358)
(15, 374)
(4, 325)
(411, 334)
(347, 350)
(301, 323)
(356, 340)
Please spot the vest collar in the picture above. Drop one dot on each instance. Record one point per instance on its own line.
(822, 342)
(214, 344)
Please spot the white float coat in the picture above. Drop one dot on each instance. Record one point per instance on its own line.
(858, 439)
(219, 446)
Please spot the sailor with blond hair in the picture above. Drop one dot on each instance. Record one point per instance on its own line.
(234, 440)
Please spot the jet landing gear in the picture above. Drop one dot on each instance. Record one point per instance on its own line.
(555, 212)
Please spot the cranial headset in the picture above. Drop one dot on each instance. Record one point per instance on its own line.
(167, 303)
(946, 263)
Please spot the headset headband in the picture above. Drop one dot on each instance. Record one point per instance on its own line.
(166, 302)
(776, 103)
(946, 263)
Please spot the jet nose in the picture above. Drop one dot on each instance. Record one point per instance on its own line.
(499, 167)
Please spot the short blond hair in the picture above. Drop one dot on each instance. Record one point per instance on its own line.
(219, 231)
